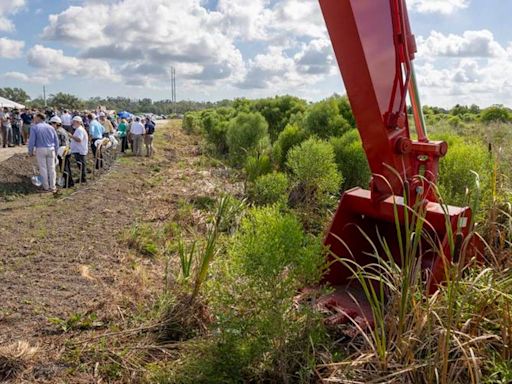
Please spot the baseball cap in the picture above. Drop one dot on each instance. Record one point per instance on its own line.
(102, 114)
(78, 118)
(56, 119)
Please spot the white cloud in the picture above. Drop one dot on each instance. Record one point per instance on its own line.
(53, 64)
(23, 77)
(202, 43)
(316, 58)
(468, 68)
(298, 18)
(281, 21)
(470, 44)
(7, 8)
(147, 46)
(278, 72)
(260, 46)
(466, 81)
(246, 21)
(445, 7)
(11, 49)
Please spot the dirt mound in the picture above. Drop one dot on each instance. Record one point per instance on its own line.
(17, 171)
(15, 174)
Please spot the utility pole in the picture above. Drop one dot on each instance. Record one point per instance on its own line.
(44, 95)
(173, 89)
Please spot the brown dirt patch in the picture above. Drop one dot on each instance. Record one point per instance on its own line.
(66, 271)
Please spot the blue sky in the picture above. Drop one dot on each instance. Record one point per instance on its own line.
(233, 48)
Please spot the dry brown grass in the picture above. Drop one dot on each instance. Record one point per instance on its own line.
(15, 358)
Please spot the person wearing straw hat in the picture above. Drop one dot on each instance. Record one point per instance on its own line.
(79, 146)
(44, 144)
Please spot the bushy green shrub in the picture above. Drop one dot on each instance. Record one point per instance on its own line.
(269, 189)
(256, 166)
(242, 105)
(291, 136)
(261, 332)
(278, 111)
(245, 132)
(457, 167)
(496, 113)
(324, 119)
(313, 167)
(315, 183)
(454, 121)
(351, 160)
(215, 128)
(191, 122)
(346, 110)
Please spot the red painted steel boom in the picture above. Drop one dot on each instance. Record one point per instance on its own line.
(375, 47)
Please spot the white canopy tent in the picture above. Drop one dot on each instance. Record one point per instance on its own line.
(10, 104)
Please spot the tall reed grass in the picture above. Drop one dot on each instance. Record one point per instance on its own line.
(460, 334)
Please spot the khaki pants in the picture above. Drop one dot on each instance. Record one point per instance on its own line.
(148, 141)
(137, 144)
(46, 161)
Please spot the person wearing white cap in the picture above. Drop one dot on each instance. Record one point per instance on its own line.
(63, 153)
(80, 146)
(96, 131)
(44, 144)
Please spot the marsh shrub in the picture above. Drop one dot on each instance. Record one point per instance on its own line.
(351, 160)
(346, 110)
(315, 182)
(256, 166)
(456, 171)
(215, 128)
(191, 122)
(313, 168)
(496, 113)
(291, 136)
(244, 134)
(324, 119)
(278, 111)
(262, 334)
(269, 189)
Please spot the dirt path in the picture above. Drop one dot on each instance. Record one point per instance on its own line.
(65, 258)
(5, 153)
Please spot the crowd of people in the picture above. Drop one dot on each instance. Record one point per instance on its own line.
(54, 138)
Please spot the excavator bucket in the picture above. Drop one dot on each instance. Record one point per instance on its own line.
(375, 49)
(360, 231)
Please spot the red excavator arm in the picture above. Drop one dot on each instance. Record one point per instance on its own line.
(375, 48)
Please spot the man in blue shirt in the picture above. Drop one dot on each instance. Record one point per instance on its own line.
(148, 137)
(44, 143)
(27, 117)
(96, 131)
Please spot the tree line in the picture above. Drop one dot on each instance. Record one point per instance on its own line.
(457, 115)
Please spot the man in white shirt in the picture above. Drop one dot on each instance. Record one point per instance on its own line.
(66, 121)
(79, 146)
(6, 128)
(137, 131)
